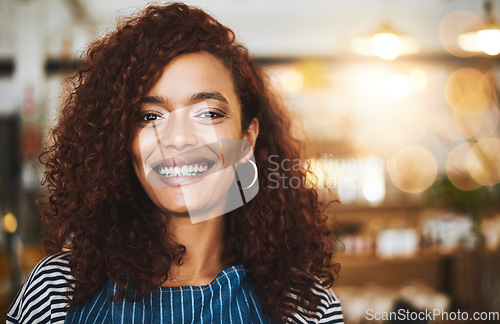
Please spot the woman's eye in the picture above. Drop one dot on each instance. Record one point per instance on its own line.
(211, 115)
(149, 117)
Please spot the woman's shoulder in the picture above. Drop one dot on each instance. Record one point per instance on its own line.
(43, 297)
(329, 311)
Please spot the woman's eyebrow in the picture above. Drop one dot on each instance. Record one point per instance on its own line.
(209, 95)
(153, 99)
(194, 97)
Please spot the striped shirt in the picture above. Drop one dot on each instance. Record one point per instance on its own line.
(227, 299)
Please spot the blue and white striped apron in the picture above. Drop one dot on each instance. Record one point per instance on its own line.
(227, 299)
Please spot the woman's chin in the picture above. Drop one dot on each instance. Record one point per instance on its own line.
(196, 211)
(180, 209)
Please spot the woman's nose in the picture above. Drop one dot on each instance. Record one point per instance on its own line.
(179, 132)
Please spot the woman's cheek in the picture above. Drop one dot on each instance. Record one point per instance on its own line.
(144, 149)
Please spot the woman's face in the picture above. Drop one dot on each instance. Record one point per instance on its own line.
(189, 136)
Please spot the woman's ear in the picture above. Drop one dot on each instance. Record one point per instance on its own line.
(251, 133)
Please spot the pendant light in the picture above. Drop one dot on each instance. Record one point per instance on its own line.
(485, 39)
(386, 42)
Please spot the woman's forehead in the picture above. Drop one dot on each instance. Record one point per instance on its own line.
(194, 76)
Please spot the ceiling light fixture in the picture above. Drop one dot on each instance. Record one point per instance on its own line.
(386, 42)
(484, 39)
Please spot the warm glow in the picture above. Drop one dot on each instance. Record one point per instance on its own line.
(456, 168)
(476, 126)
(397, 243)
(483, 161)
(468, 91)
(485, 40)
(392, 130)
(469, 42)
(346, 191)
(317, 178)
(418, 79)
(378, 139)
(9, 223)
(374, 190)
(489, 41)
(454, 24)
(373, 186)
(313, 74)
(343, 175)
(445, 125)
(291, 80)
(415, 171)
(386, 45)
(397, 86)
(328, 108)
(411, 122)
(368, 80)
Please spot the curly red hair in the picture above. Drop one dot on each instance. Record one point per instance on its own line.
(96, 207)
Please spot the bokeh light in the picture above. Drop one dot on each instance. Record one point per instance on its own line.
(368, 80)
(9, 223)
(412, 122)
(469, 42)
(409, 122)
(397, 86)
(456, 168)
(374, 190)
(452, 25)
(489, 41)
(444, 123)
(483, 161)
(484, 40)
(476, 126)
(378, 139)
(346, 191)
(314, 75)
(291, 80)
(415, 171)
(373, 187)
(418, 80)
(386, 45)
(317, 176)
(468, 91)
(393, 129)
(328, 108)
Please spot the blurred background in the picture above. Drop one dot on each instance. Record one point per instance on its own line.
(399, 97)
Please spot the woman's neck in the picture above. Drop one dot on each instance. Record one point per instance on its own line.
(204, 244)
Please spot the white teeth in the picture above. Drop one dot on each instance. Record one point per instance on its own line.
(184, 171)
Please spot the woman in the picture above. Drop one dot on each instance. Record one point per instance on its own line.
(125, 194)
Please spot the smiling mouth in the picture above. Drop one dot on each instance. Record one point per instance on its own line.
(183, 167)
